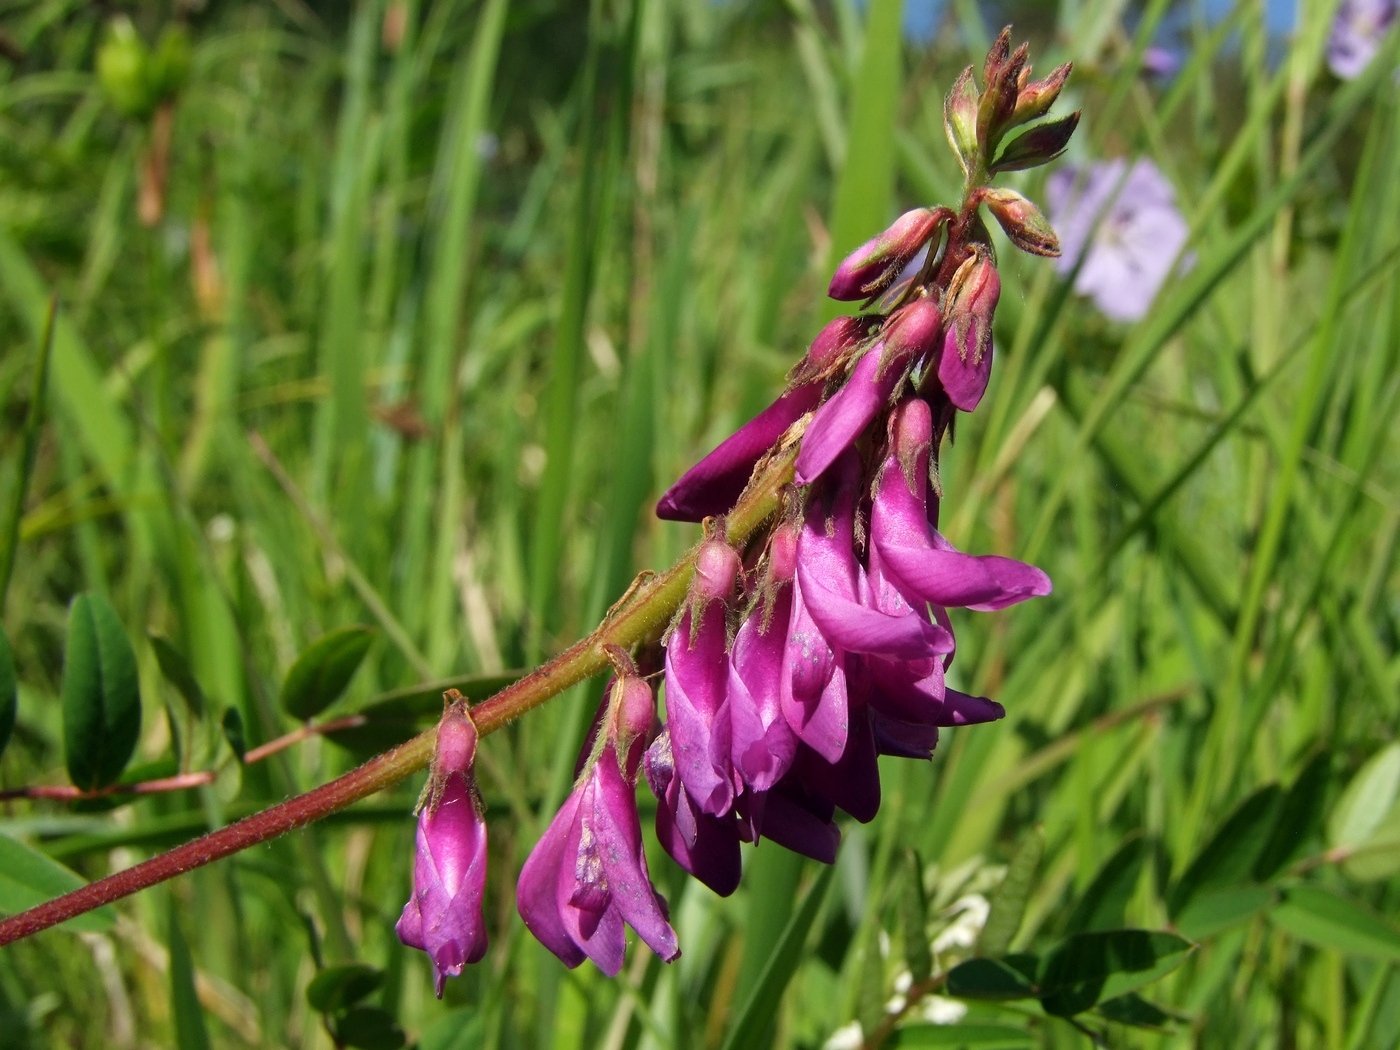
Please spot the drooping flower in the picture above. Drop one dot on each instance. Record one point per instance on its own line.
(697, 677)
(1125, 225)
(704, 845)
(1357, 32)
(444, 916)
(714, 484)
(587, 875)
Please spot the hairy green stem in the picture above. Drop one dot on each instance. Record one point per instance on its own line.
(641, 615)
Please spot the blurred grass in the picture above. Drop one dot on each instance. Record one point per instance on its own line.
(485, 276)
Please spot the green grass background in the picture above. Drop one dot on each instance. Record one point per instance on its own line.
(486, 290)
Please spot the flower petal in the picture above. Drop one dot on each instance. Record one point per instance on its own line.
(697, 674)
(714, 484)
(846, 414)
(537, 896)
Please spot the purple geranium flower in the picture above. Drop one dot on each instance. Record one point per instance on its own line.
(444, 916)
(588, 875)
(1357, 32)
(1124, 223)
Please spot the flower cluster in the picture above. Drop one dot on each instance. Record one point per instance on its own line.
(822, 641)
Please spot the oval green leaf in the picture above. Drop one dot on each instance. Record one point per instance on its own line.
(9, 693)
(1090, 968)
(1008, 904)
(340, 987)
(28, 877)
(366, 1027)
(101, 694)
(1009, 978)
(176, 670)
(1228, 858)
(1326, 919)
(1366, 800)
(323, 670)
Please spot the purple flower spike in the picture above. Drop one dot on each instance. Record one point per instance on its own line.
(587, 876)
(966, 362)
(444, 916)
(840, 421)
(762, 742)
(871, 268)
(715, 484)
(707, 847)
(1356, 36)
(697, 675)
(919, 561)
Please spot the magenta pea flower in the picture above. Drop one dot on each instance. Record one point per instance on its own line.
(762, 744)
(965, 365)
(705, 846)
(587, 876)
(1357, 32)
(715, 484)
(907, 336)
(697, 676)
(444, 916)
(877, 263)
(1125, 225)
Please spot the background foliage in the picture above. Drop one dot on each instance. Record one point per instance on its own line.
(442, 294)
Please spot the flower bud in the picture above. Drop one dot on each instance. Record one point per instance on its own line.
(832, 344)
(875, 264)
(966, 361)
(910, 334)
(960, 120)
(1036, 98)
(1000, 91)
(1022, 221)
(782, 553)
(716, 568)
(1040, 145)
(912, 434)
(633, 713)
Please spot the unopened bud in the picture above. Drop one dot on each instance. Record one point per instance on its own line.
(122, 63)
(966, 361)
(634, 708)
(872, 267)
(782, 554)
(716, 568)
(912, 435)
(999, 92)
(1039, 145)
(911, 333)
(1035, 99)
(456, 740)
(832, 343)
(960, 120)
(1023, 222)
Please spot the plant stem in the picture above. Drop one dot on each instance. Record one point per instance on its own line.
(29, 447)
(641, 615)
(184, 781)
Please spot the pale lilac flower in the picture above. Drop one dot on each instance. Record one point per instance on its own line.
(1126, 226)
(444, 916)
(1357, 32)
(588, 875)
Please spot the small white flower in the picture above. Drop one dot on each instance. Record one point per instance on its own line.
(935, 1009)
(847, 1037)
(962, 932)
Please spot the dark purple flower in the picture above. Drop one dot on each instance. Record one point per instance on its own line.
(833, 615)
(761, 741)
(715, 484)
(444, 916)
(588, 875)
(697, 676)
(841, 420)
(705, 846)
(1357, 31)
(1125, 224)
